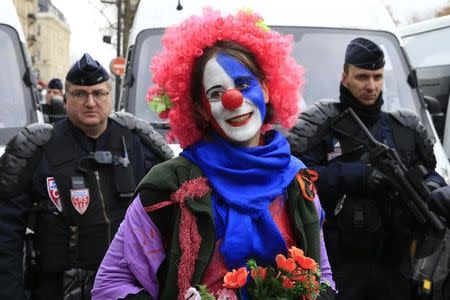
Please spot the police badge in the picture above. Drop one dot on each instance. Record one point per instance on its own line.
(80, 199)
(53, 193)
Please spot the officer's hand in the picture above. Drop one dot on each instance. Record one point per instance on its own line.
(440, 202)
(377, 182)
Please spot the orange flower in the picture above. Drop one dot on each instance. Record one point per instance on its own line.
(287, 264)
(235, 279)
(307, 263)
(296, 254)
(287, 283)
(300, 278)
(259, 272)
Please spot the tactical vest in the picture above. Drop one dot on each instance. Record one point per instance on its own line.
(93, 202)
(357, 228)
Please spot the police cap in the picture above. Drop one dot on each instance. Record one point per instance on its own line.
(364, 54)
(87, 71)
(55, 83)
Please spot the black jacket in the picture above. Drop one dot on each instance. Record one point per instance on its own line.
(27, 185)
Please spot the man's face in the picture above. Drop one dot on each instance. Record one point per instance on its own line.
(365, 85)
(241, 125)
(88, 107)
(52, 93)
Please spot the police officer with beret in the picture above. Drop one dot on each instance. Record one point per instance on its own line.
(368, 229)
(53, 108)
(64, 189)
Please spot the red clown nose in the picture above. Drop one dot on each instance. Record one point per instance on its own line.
(232, 99)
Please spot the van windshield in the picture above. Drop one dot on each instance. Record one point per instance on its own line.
(13, 112)
(321, 52)
(429, 48)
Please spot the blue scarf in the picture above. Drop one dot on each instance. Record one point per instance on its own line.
(245, 180)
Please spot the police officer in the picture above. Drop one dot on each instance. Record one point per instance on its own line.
(64, 189)
(368, 230)
(53, 108)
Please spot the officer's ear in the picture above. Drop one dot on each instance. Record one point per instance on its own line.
(344, 77)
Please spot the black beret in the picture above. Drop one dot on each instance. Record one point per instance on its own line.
(87, 71)
(364, 54)
(55, 83)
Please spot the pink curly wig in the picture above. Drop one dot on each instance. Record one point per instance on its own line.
(184, 43)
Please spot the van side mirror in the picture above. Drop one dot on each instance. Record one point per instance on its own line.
(412, 79)
(434, 106)
(435, 109)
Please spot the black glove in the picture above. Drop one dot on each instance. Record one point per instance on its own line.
(142, 295)
(440, 202)
(377, 182)
(327, 294)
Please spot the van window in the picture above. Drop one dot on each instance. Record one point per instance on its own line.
(320, 50)
(323, 64)
(16, 100)
(13, 112)
(148, 45)
(429, 48)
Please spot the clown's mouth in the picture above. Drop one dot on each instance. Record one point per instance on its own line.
(240, 120)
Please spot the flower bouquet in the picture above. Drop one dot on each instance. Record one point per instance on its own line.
(294, 277)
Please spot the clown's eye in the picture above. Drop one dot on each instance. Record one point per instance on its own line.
(215, 95)
(243, 85)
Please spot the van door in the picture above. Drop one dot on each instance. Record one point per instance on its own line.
(18, 96)
(428, 47)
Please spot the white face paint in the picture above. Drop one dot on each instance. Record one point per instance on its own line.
(241, 125)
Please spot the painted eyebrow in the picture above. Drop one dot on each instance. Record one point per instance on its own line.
(211, 88)
(246, 77)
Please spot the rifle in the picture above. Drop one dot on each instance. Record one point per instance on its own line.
(408, 182)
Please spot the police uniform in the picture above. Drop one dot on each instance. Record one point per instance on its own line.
(55, 111)
(368, 230)
(66, 194)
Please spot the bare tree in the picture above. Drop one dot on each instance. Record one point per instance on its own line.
(128, 10)
(445, 11)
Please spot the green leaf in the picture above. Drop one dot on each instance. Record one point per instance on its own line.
(167, 101)
(160, 103)
(153, 105)
(262, 25)
(204, 294)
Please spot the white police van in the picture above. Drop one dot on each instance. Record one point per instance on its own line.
(18, 94)
(427, 44)
(322, 30)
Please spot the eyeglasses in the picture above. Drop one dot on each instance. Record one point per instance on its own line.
(82, 96)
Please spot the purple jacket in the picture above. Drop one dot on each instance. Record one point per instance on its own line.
(136, 253)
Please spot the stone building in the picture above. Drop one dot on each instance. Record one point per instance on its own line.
(48, 38)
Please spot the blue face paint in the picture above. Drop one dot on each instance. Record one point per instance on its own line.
(244, 80)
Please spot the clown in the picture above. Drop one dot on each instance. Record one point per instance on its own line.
(235, 192)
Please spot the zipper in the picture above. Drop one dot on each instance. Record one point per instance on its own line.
(102, 200)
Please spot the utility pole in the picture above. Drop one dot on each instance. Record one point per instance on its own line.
(118, 3)
(119, 30)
